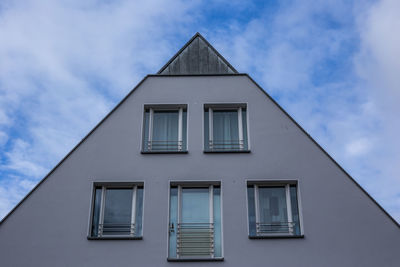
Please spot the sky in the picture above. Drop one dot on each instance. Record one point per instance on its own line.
(333, 65)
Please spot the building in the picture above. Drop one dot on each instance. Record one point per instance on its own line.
(198, 166)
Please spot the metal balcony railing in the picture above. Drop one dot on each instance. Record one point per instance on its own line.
(195, 240)
(116, 229)
(275, 228)
(162, 145)
(221, 145)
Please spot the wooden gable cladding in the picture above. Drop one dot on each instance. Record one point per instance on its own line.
(197, 57)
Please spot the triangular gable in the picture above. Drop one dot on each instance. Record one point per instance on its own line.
(157, 75)
(197, 57)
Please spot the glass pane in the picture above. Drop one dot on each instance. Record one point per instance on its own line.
(225, 129)
(117, 212)
(273, 209)
(244, 122)
(251, 210)
(173, 219)
(139, 211)
(96, 212)
(195, 205)
(195, 235)
(165, 130)
(146, 130)
(217, 222)
(295, 209)
(206, 130)
(184, 130)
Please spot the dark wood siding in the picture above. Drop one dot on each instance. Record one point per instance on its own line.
(197, 57)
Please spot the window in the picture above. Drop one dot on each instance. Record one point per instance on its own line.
(225, 128)
(195, 222)
(273, 209)
(117, 211)
(164, 128)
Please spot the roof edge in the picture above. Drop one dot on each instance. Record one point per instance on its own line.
(200, 74)
(72, 150)
(197, 34)
(325, 152)
(241, 74)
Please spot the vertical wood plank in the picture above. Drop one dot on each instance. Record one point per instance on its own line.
(212, 61)
(183, 62)
(203, 57)
(174, 67)
(198, 58)
(193, 61)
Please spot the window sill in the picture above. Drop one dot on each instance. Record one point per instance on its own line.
(164, 152)
(274, 236)
(195, 259)
(115, 238)
(227, 151)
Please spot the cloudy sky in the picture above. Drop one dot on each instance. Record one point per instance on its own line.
(332, 64)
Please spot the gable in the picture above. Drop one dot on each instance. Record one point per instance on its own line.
(218, 83)
(197, 57)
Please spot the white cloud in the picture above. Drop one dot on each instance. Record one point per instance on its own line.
(4, 118)
(358, 147)
(377, 63)
(63, 66)
(12, 191)
(353, 115)
(3, 138)
(20, 160)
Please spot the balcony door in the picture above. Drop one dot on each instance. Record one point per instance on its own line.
(195, 222)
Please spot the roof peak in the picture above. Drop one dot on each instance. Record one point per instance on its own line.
(197, 56)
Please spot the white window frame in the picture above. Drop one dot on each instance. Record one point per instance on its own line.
(100, 223)
(152, 108)
(286, 183)
(239, 108)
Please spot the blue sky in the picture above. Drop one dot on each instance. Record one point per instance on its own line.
(332, 64)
